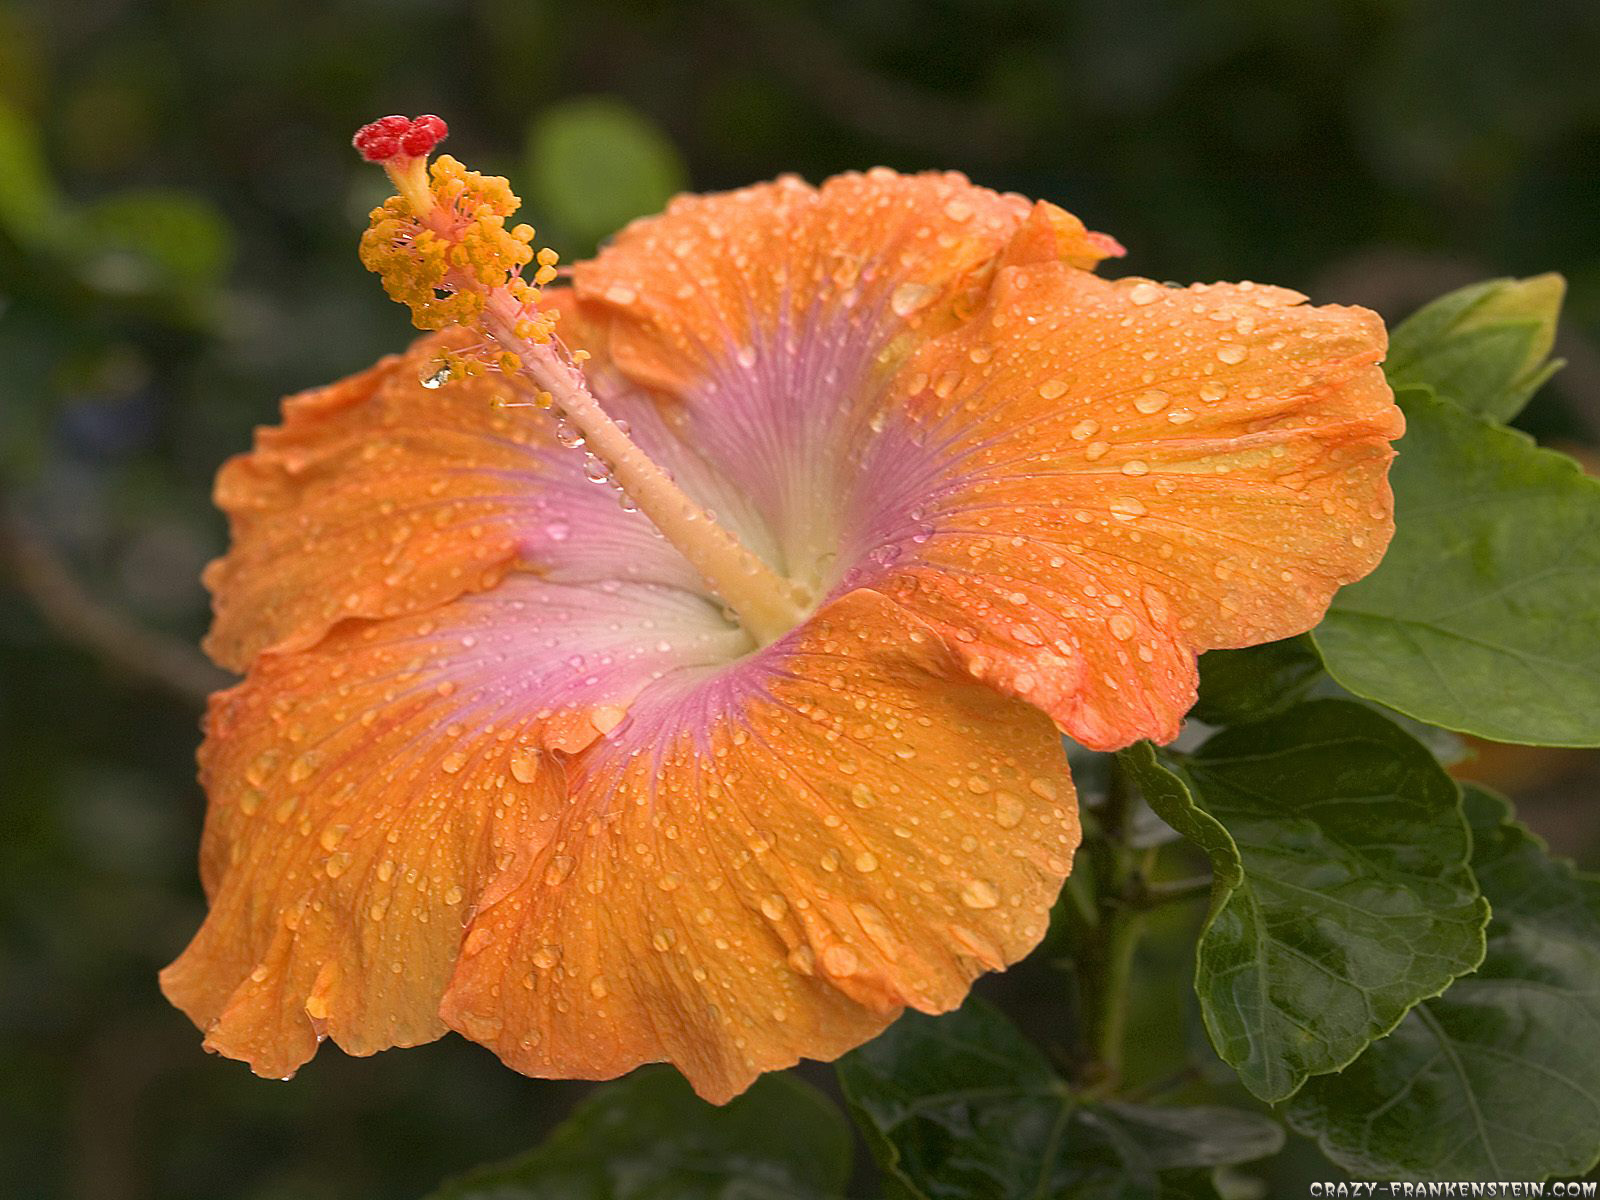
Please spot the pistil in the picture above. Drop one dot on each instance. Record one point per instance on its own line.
(448, 255)
(766, 604)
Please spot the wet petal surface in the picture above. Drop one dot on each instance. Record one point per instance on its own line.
(1092, 481)
(773, 865)
(367, 794)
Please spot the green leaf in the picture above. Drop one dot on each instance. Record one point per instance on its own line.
(1485, 347)
(150, 240)
(962, 1106)
(1237, 686)
(1499, 1078)
(27, 193)
(1342, 895)
(1484, 616)
(595, 164)
(649, 1137)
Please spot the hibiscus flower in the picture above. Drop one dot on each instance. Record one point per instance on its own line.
(713, 715)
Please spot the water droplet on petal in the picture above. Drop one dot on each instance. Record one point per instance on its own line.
(840, 960)
(560, 867)
(1008, 810)
(909, 297)
(979, 894)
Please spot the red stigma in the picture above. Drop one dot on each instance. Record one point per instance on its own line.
(399, 137)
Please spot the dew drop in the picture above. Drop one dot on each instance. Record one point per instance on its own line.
(1008, 810)
(979, 894)
(840, 960)
(1145, 293)
(524, 764)
(1232, 355)
(301, 768)
(1052, 389)
(1152, 401)
(560, 867)
(909, 297)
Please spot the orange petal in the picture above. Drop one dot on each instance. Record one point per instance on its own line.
(366, 794)
(379, 497)
(850, 825)
(1124, 474)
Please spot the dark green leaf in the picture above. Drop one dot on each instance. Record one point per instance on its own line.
(1352, 898)
(1499, 1078)
(1237, 686)
(1484, 616)
(649, 1137)
(1170, 794)
(595, 164)
(962, 1107)
(1484, 347)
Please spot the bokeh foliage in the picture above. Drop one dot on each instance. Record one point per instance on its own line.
(178, 212)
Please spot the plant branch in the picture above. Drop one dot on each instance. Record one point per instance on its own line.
(113, 637)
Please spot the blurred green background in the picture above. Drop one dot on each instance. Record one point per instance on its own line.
(179, 209)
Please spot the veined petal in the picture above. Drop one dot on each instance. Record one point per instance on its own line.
(772, 865)
(379, 496)
(1092, 481)
(773, 317)
(367, 793)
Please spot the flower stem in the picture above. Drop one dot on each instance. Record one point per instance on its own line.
(1106, 958)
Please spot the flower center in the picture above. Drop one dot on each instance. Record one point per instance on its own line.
(442, 248)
